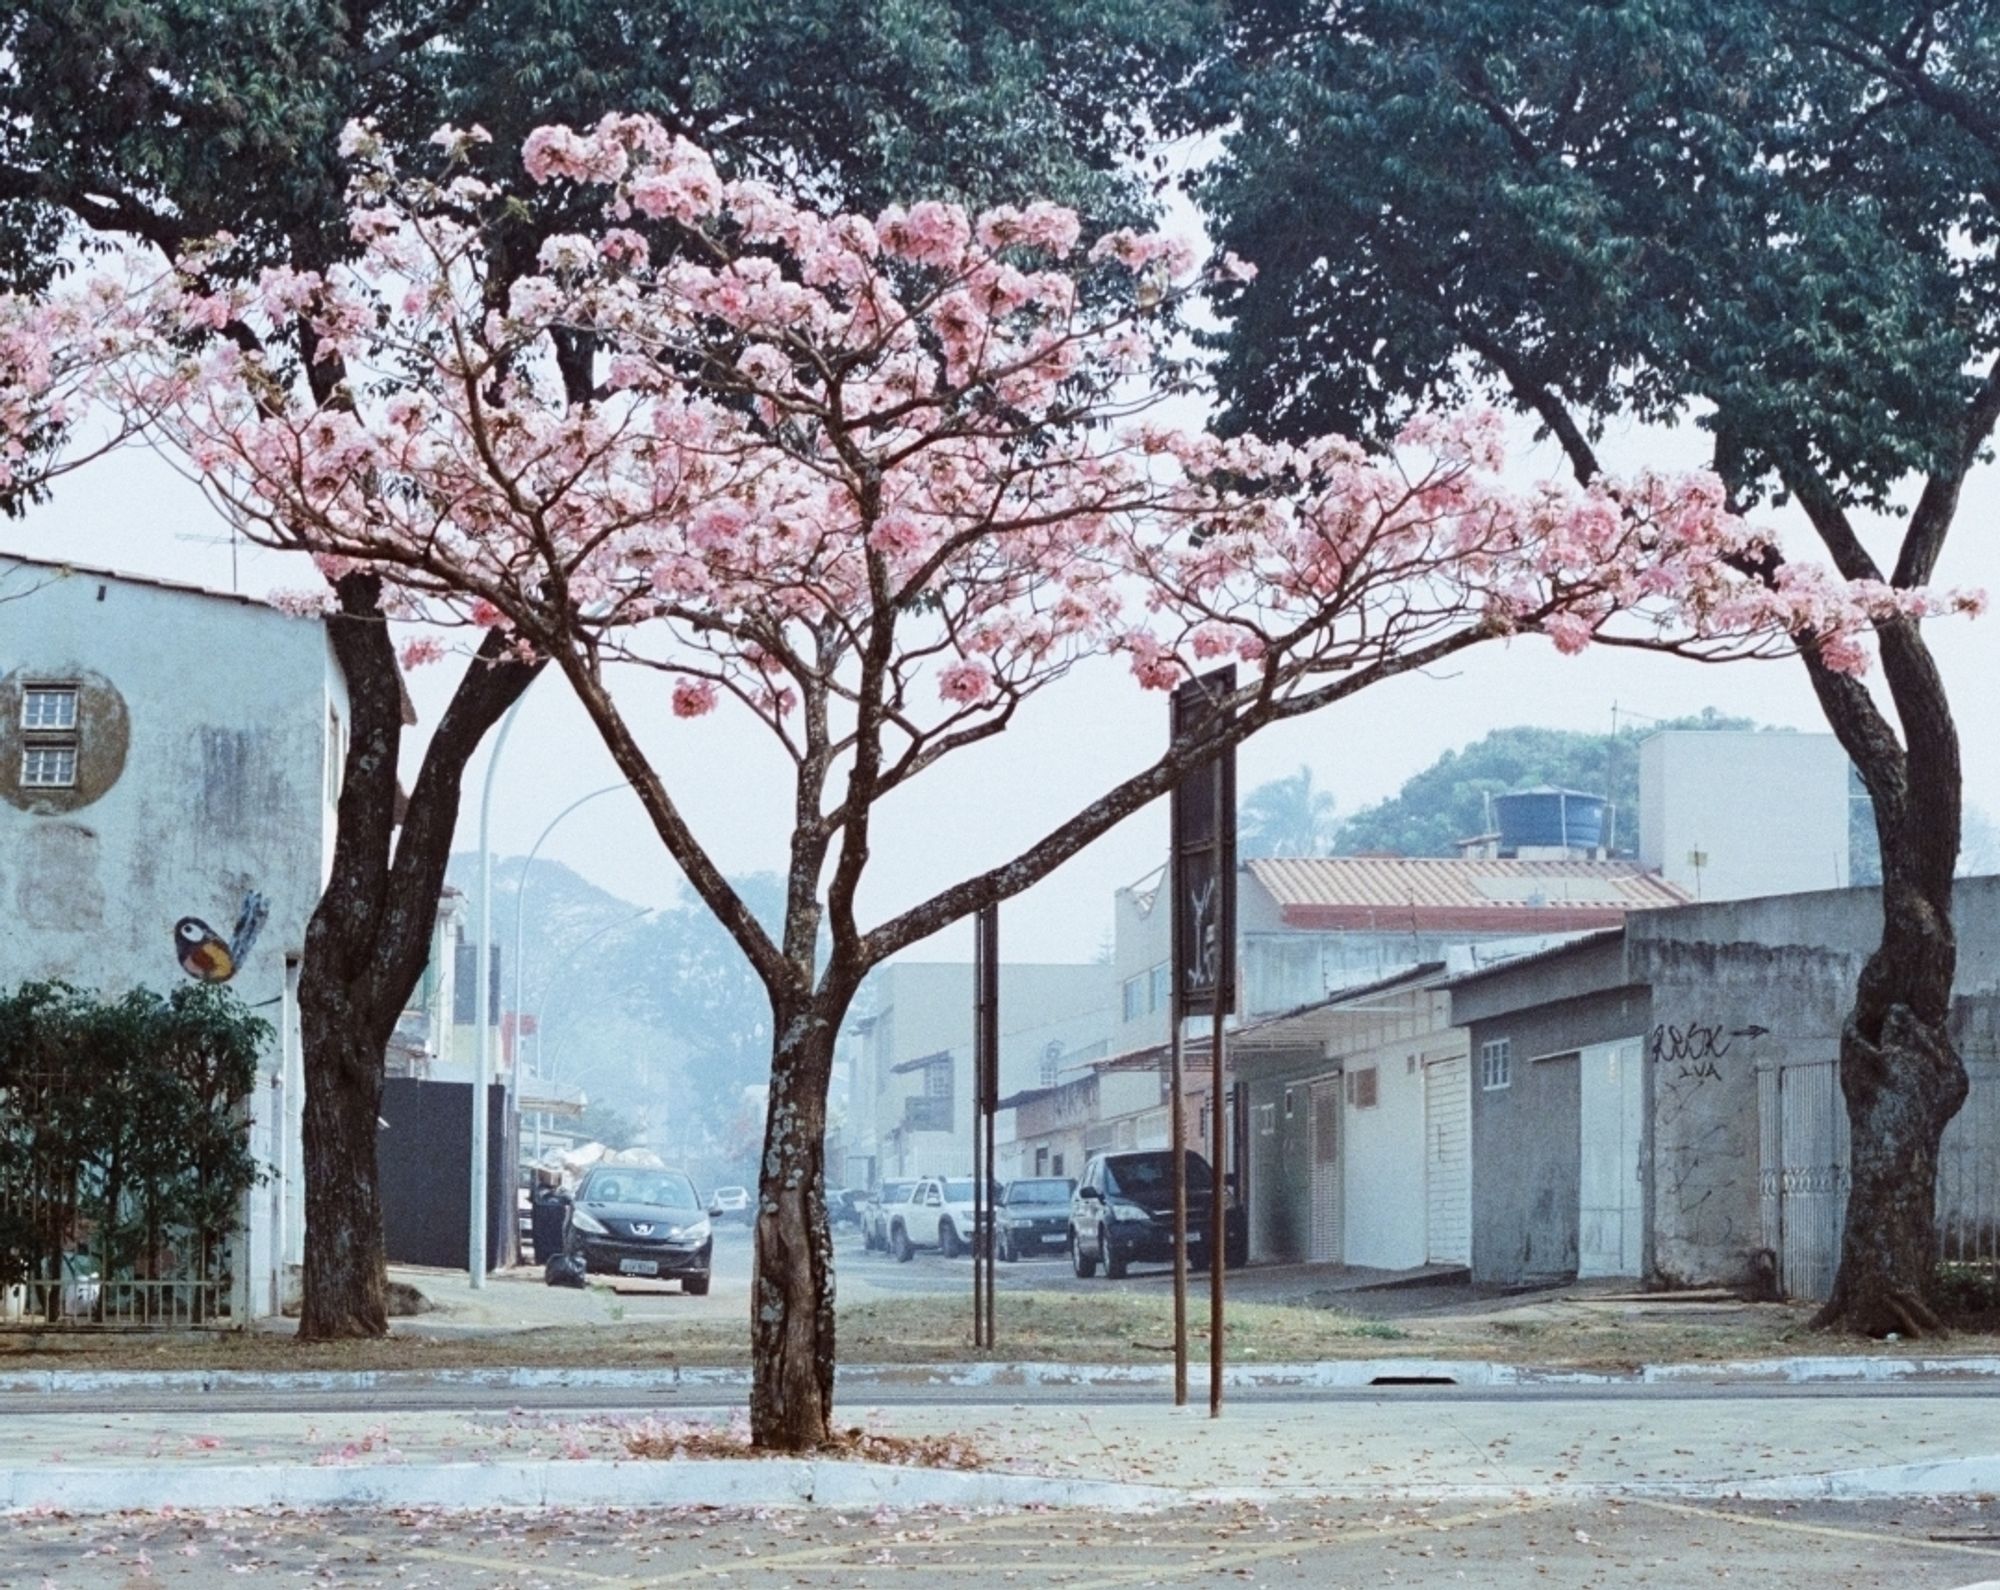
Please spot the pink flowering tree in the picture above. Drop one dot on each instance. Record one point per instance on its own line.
(54, 353)
(878, 483)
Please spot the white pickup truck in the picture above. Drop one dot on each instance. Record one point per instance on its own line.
(937, 1214)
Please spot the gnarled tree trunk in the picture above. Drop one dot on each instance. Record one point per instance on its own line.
(1901, 1078)
(791, 1290)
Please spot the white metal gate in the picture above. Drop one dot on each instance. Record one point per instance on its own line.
(1326, 1171)
(1803, 1181)
(1611, 1213)
(1969, 1173)
(1448, 1161)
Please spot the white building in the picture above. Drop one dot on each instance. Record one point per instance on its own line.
(911, 1089)
(1731, 815)
(166, 754)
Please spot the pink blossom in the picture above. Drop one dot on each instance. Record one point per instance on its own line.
(967, 683)
(693, 698)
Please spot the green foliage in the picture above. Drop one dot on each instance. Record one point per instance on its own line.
(1286, 817)
(122, 1134)
(1772, 215)
(178, 118)
(1969, 1294)
(1446, 802)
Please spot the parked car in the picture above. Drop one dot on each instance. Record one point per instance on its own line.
(626, 1220)
(1032, 1216)
(1123, 1211)
(730, 1203)
(937, 1214)
(875, 1213)
(843, 1206)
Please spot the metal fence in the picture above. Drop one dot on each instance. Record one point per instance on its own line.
(1803, 1178)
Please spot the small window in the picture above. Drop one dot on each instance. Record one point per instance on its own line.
(1055, 1164)
(1496, 1064)
(1135, 997)
(1159, 989)
(48, 767)
(49, 708)
(1363, 1088)
(937, 1079)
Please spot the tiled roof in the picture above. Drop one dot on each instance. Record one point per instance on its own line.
(1459, 894)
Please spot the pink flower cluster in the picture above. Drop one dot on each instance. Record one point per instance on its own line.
(815, 439)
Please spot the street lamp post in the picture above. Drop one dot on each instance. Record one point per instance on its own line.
(520, 900)
(475, 1248)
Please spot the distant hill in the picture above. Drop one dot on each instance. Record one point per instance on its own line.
(1446, 802)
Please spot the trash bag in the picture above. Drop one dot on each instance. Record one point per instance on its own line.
(565, 1269)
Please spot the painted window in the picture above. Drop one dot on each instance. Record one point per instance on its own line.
(49, 707)
(1496, 1064)
(48, 767)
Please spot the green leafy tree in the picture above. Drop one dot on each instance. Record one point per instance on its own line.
(600, 1123)
(125, 1138)
(1771, 216)
(170, 120)
(1287, 817)
(1447, 801)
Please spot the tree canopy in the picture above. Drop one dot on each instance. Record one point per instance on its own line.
(1446, 802)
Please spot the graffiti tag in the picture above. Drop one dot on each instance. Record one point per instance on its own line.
(1692, 1050)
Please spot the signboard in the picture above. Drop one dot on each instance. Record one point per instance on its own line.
(1203, 875)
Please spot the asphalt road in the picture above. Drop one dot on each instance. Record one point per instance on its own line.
(1505, 1546)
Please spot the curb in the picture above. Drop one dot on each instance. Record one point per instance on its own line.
(466, 1487)
(828, 1483)
(1332, 1374)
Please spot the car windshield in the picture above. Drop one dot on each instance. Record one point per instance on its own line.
(958, 1190)
(664, 1189)
(1039, 1192)
(895, 1192)
(1144, 1175)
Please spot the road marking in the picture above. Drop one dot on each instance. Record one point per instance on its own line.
(1794, 1526)
(1224, 1561)
(489, 1564)
(829, 1557)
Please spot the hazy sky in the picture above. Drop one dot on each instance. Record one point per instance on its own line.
(132, 512)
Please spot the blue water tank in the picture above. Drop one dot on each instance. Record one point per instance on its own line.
(1549, 819)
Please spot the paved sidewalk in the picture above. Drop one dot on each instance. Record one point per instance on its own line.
(1077, 1453)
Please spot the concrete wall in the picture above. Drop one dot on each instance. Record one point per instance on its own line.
(1747, 985)
(223, 789)
(1526, 1137)
(1767, 812)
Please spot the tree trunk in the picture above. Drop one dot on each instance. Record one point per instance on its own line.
(1899, 1074)
(369, 940)
(345, 1279)
(791, 1289)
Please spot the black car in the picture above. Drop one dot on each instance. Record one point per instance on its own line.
(1123, 1211)
(627, 1221)
(1033, 1216)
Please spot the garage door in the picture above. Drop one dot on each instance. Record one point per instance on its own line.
(1448, 1160)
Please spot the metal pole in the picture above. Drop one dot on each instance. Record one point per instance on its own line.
(985, 1095)
(520, 900)
(991, 1228)
(1176, 1072)
(475, 1245)
(1218, 1202)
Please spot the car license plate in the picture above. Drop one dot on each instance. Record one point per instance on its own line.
(638, 1267)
